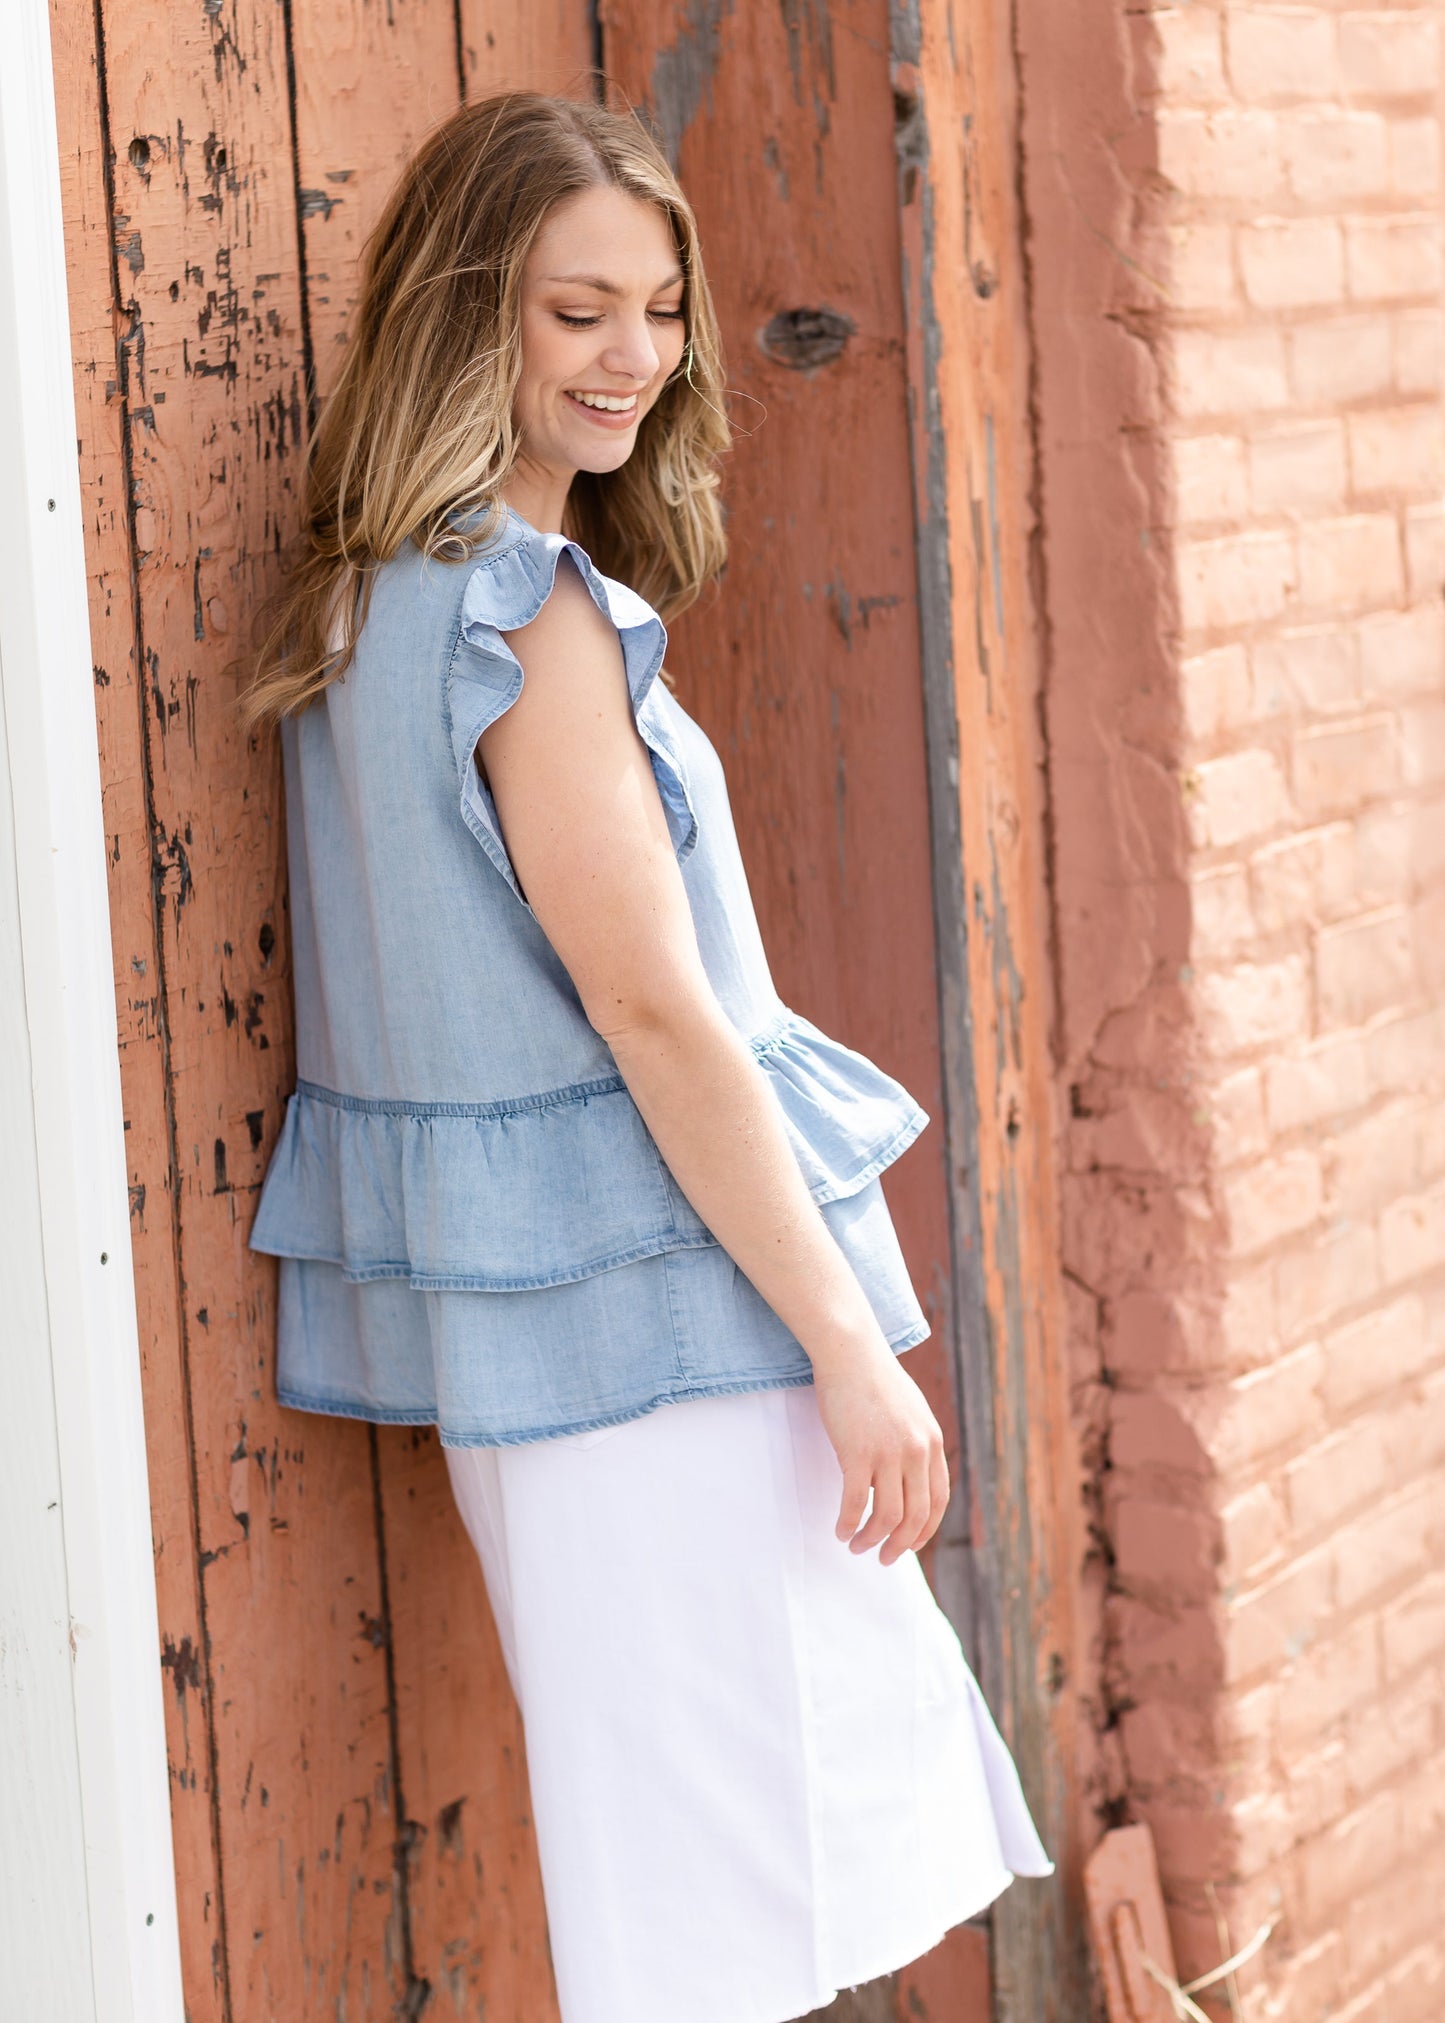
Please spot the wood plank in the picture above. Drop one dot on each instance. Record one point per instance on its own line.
(212, 374)
(968, 365)
(477, 1919)
(804, 668)
(472, 1931)
(99, 365)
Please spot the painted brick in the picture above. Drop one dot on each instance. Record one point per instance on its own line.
(1229, 152)
(1389, 55)
(1211, 482)
(1407, 1052)
(1422, 1818)
(1273, 1200)
(1414, 159)
(1274, 1407)
(1348, 563)
(1265, 1626)
(1183, 49)
(1412, 1626)
(1168, 1746)
(1419, 351)
(1236, 797)
(1221, 372)
(1220, 916)
(1145, 1333)
(1254, 1532)
(1385, 1546)
(1386, 1918)
(1151, 1432)
(1281, 53)
(1309, 1981)
(1335, 1478)
(1412, 1235)
(1315, 669)
(1304, 878)
(1201, 265)
(1422, 743)
(1237, 1117)
(1237, 579)
(1429, 933)
(1396, 1735)
(1299, 467)
(1415, 1430)
(1175, 1655)
(1373, 1160)
(1342, 359)
(1427, 848)
(1425, 550)
(1396, 450)
(1254, 1005)
(1402, 652)
(1323, 1081)
(1392, 259)
(1364, 967)
(1320, 1280)
(1326, 1681)
(1383, 1348)
(1216, 692)
(1331, 154)
(1164, 1548)
(1336, 1866)
(1315, 1782)
(1415, 1986)
(1292, 263)
(1385, 850)
(1338, 767)
(1249, 1335)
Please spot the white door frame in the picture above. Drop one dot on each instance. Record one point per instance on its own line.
(87, 1882)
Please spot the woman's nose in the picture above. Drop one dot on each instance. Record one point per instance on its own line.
(634, 353)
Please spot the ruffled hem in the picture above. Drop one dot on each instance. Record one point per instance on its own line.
(541, 1190)
(506, 589)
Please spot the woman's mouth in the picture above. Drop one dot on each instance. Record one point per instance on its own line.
(607, 410)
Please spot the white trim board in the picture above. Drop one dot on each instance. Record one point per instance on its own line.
(87, 1884)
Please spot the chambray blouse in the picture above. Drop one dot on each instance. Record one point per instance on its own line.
(476, 1228)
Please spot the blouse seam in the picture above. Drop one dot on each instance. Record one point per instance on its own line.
(769, 1037)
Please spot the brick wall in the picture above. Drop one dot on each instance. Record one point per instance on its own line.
(1235, 255)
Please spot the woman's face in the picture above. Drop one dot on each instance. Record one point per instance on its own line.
(602, 328)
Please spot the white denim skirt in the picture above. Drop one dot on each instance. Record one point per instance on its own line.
(761, 1768)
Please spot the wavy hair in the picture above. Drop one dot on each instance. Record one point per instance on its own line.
(418, 430)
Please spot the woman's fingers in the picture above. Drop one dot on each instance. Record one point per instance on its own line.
(940, 1488)
(887, 1508)
(856, 1480)
(917, 1507)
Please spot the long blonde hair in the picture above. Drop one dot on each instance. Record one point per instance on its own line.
(418, 429)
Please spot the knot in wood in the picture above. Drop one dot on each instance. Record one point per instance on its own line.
(804, 339)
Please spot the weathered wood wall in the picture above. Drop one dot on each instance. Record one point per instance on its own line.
(349, 1790)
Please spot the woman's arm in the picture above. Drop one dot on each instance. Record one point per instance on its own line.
(585, 829)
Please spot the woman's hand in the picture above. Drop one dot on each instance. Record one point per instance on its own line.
(887, 1439)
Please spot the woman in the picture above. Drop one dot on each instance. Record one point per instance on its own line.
(562, 1174)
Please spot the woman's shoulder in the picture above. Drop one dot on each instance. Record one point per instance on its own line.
(512, 575)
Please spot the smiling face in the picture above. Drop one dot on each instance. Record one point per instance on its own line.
(602, 328)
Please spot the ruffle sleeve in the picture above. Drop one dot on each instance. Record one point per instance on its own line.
(484, 678)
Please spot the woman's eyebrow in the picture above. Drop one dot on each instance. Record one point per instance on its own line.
(606, 287)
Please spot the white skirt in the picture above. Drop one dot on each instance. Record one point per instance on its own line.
(761, 1768)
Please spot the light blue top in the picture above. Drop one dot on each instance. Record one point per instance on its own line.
(476, 1227)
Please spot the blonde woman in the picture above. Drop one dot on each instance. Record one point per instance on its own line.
(562, 1174)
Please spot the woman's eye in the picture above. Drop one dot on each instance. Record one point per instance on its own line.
(591, 322)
